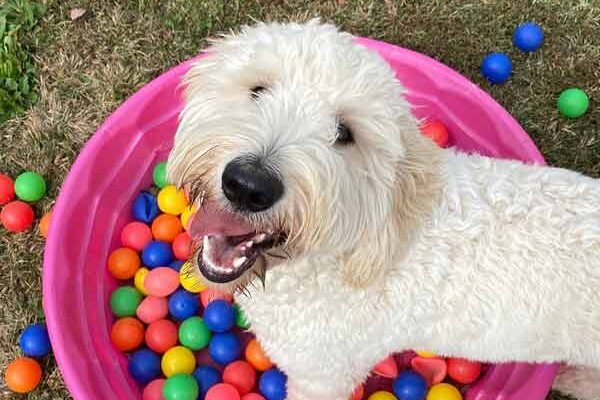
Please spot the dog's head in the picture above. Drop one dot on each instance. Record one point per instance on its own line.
(292, 139)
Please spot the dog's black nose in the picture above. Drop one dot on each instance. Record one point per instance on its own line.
(249, 186)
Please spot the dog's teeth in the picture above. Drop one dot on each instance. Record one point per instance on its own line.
(206, 242)
(249, 243)
(239, 261)
(260, 238)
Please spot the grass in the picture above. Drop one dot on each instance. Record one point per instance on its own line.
(88, 67)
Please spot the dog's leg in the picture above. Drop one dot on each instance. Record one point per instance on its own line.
(580, 382)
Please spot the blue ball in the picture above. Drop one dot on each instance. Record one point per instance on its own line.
(528, 37)
(409, 385)
(176, 265)
(34, 341)
(157, 254)
(183, 304)
(207, 377)
(144, 366)
(224, 348)
(496, 67)
(219, 316)
(145, 207)
(272, 384)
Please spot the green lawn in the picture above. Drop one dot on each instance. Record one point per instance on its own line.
(88, 67)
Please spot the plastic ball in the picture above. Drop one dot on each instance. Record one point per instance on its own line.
(426, 354)
(382, 395)
(178, 360)
(124, 301)
(161, 335)
(159, 174)
(409, 385)
(136, 235)
(176, 265)
(154, 390)
(194, 334)
(157, 254)
(17, 216)
(44, 224)
(207, 377)
(161, 281)
(144, 366)
(528, 37)
(166, 227)
(180, 387)
(386, 368)
(34, 341)
(138, 280)
(183, 304)
(127, 334)
(145, 208)
(224, 348)
(358, 393)
(463, 371)
(123, 263)
(30, 186)
(256, 356)
(219, 316)
(252, 396)
(209, 295)
(240, 317)
(7, 189)
(496, 67)
(222, 391)
(240, 375)
(182, 246)
(272, 384)
(187, 214)
(23, 375)
(190, 281)
(444, 391)
(171, 200)
(573, 103)
(152, 309)
(436, 131)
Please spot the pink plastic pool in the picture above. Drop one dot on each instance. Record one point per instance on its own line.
(116, 163)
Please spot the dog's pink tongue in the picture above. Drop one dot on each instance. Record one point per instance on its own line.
(212, 222)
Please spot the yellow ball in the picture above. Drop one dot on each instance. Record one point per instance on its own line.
(426, 354)
(186, 214)
(171, 200)
(382, 395)
(138, 280)
(189, 279)
(444, 391)
(178, 360)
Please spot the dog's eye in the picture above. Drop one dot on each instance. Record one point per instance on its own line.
(344, 134)
(256, 91)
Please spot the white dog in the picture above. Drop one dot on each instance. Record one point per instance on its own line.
(369, 239)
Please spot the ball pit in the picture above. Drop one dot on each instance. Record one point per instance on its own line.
(137, 136)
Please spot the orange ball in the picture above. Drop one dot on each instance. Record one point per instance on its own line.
(45, 224)
(166, 227)
(23, 375)
(256, 356)
(127, 334)
(123, 263)
(437, 132)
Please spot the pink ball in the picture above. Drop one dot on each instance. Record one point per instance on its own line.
(162, 281)
(252, 396)
(222, 391)
(240, 375)
(152, 309)
(208, 295)
(136, 235)
(182, 246)
(153, 391)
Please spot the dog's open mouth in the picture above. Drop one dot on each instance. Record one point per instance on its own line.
(229, 245)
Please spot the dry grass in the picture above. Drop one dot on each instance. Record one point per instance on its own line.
(89, 66)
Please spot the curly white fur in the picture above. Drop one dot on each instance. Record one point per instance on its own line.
(394, 243)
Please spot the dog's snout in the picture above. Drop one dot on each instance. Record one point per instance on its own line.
(249, 186)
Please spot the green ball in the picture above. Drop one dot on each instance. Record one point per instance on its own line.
(240, 317)
(159, 175)
(30, 186)
(573, 103)
(124, 301)
(194, 334)
(181, 387)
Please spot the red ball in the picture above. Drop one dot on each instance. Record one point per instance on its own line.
(182, 246)
(222, 391)
(252, 396)
(7, 189)
(136, 235)
(240, 375)
(463, 371)
(17, 216)
(437, 131)
(161, 335)
(154, 390)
